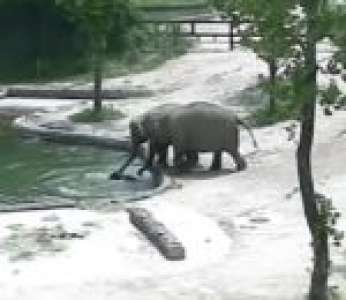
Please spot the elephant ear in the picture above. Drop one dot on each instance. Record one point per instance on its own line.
(154, 127)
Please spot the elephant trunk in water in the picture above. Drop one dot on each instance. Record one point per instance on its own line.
(135, 151)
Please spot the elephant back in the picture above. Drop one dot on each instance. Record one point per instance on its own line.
(203, 126)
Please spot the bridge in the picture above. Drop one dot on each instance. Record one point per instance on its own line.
(198, 28)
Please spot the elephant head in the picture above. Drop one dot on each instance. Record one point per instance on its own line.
(149, 127)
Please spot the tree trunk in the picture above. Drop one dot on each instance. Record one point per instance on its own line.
(308, 92)
(99, 47)
(97, 85)
(272, 78)
(319, 278)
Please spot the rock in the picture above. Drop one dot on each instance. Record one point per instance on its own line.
(157, 233)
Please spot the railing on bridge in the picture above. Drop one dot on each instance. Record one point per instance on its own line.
(192, 31)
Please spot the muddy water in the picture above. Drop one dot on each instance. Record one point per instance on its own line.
(33, 171)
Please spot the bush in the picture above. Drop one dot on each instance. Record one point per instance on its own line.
(263, 117)
(286, 105)
(89, 115)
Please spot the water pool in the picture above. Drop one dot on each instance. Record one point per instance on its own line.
(33, 172)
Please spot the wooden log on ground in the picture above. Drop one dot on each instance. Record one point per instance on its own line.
(168, 245)
(74, 94)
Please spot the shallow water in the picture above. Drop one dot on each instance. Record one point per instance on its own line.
(34, 171)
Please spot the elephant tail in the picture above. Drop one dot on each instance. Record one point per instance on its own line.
(248, 128)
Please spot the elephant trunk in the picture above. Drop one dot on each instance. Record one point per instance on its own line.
(135, 151)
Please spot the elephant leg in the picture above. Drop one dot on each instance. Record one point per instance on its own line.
(163, 156)
(192, 158)
(239, 160)
(149, 161)
(217, 161)
(178, 159)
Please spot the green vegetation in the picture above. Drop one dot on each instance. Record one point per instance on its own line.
(271, 22)
(172, 3)
(91, 116)
(100, 20)
(42, 43)
(285, 106)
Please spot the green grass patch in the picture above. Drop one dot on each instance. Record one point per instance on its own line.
(89, 115)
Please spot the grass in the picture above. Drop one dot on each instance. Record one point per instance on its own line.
(88, 115)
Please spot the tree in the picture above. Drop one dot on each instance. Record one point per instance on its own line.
(268, 32)
(313, 19)
(100, 19)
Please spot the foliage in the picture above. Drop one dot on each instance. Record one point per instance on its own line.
(328, 219)
(100, 19)
(286, 107)
(268, 31)
(98, 16)
(91, 116)
(337, 32)
(330, 95)
(37, 41)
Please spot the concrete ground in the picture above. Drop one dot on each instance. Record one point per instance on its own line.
(244, 233)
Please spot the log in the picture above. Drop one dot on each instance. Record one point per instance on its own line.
(165, 241)
(74, 94)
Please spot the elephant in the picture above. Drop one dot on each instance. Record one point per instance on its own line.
(151, 127)
(207, 127)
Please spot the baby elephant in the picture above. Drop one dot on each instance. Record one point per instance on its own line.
(207, 127)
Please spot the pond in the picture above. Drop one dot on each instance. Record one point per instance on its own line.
(33, 171)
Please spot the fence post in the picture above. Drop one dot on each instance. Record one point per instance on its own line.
(231, 35)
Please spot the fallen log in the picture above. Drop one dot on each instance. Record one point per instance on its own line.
(157, 233)
(74, 93)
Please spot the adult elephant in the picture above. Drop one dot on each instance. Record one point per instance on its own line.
(207, 127)
(152, 127)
